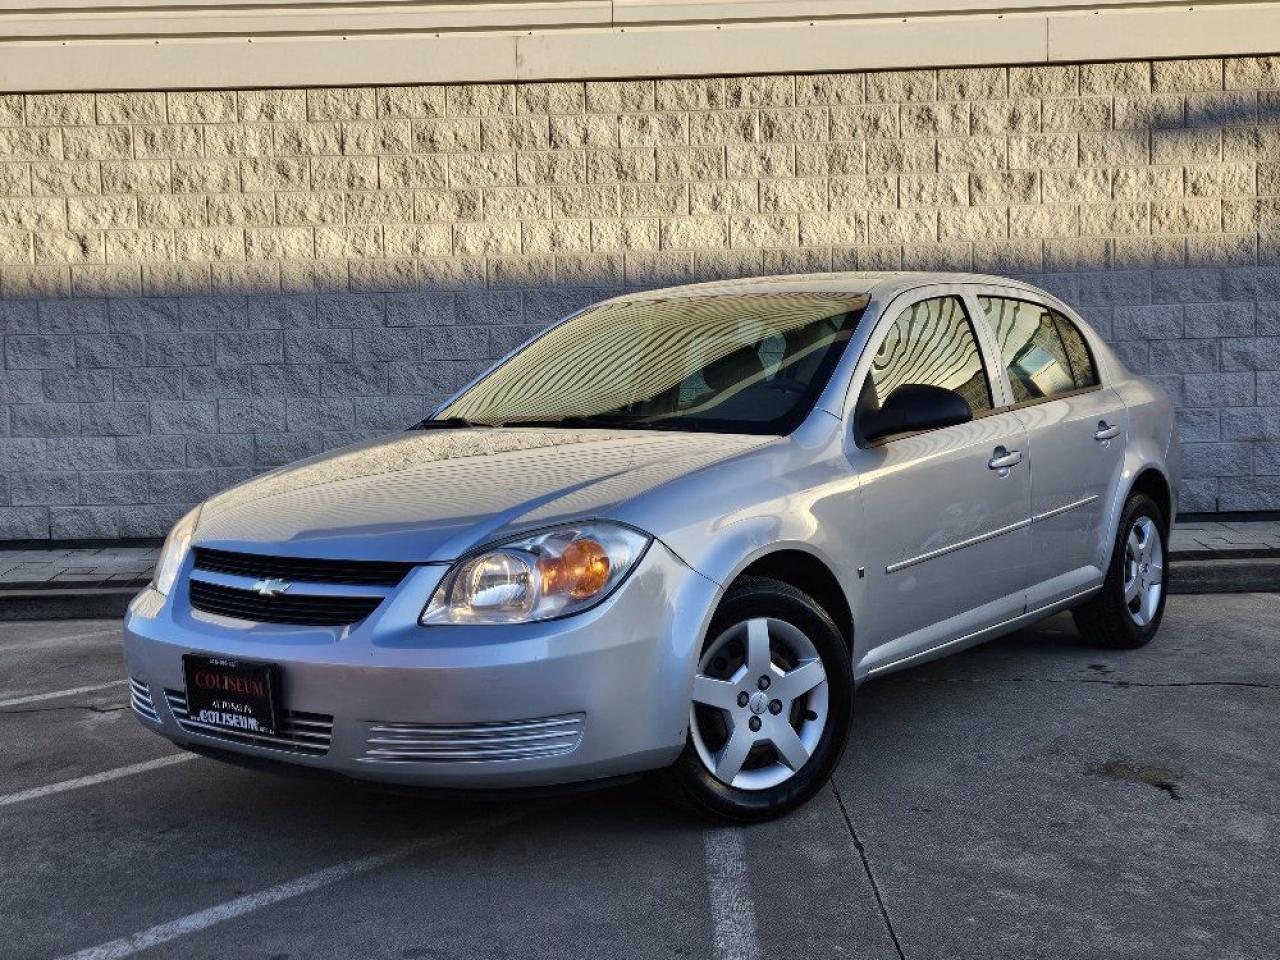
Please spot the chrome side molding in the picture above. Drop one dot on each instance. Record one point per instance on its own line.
(952, 548)
(990, 535)
(1056, 511)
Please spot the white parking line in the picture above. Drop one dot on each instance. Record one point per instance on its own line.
(203, 919)
(56, 641)
(57, 694)
(8, 626)
(35, 793)
(733, 914)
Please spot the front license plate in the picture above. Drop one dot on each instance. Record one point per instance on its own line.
(232, 695)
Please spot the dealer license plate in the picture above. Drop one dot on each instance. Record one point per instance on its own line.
(232, 695)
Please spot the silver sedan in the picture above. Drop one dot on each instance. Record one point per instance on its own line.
(674, 531)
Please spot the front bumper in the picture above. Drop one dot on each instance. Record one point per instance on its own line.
(601, 694)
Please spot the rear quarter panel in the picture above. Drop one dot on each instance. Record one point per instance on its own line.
(1150, 441)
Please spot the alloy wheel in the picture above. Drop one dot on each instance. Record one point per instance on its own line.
(759, 703)
(1143, 570)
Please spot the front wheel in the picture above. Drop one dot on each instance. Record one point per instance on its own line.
(1128, 610)
(771, 705)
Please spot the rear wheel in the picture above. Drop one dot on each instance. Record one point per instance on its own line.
(1128, 610)
(772, 700)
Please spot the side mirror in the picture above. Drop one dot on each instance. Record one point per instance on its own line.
(914, 407)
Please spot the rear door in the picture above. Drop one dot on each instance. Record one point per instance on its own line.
(946, 511)
(1075, 438)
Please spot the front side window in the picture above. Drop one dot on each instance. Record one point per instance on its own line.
(1040, 360)
(746, 363)
(931, 342)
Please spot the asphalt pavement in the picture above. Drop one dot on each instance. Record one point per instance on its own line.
(1035, 797)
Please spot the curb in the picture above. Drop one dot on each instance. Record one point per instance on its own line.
(1254, 575)
(80, 604)
(1192, 574)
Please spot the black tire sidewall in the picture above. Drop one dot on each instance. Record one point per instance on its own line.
(759, 597)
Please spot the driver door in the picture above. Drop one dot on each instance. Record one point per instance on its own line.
(947, 511)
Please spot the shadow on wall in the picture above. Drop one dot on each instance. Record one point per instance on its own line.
(124, 412)
(152, 359)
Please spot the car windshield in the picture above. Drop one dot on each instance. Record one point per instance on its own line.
(729, 364)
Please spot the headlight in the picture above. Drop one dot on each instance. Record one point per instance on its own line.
(550, 574)
(174, 552)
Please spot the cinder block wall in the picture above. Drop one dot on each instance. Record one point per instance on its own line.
(198, 286)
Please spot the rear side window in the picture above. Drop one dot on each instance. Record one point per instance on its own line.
(1042, 351)
(931, 342)
(1082, 369)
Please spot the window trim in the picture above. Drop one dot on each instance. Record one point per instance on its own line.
(979, 292)
(1036, 401)
(893, 311)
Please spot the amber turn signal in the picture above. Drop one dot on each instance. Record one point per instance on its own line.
(581, 570)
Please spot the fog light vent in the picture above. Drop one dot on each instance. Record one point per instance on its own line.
(473, 743)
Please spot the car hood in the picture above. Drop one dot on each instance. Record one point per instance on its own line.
(426, 496)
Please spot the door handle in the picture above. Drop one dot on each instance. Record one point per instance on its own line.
(1106, 431)
(1004, 460)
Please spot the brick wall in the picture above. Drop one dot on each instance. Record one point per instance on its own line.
(198, 286)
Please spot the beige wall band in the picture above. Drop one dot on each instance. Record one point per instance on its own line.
(188, 44)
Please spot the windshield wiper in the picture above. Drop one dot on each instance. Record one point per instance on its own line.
(606, 421)
(448, 423)
(592, 421)
(587, 421)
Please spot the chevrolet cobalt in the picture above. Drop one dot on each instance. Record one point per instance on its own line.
(674, 531)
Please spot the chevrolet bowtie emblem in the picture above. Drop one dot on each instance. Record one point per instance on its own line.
(271, 587)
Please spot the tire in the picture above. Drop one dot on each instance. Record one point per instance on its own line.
(768, 782)
(1110, 619)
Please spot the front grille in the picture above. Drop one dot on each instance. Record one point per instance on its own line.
(308, 733)
(296, 608)
(379, 573)
(471, 743)
(140, 700)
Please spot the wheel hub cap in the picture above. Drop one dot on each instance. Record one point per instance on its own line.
(1143, 571)
(751, 667)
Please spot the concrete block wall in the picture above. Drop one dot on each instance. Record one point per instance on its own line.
(198, 286)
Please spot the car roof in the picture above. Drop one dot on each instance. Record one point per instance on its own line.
(881, 285)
